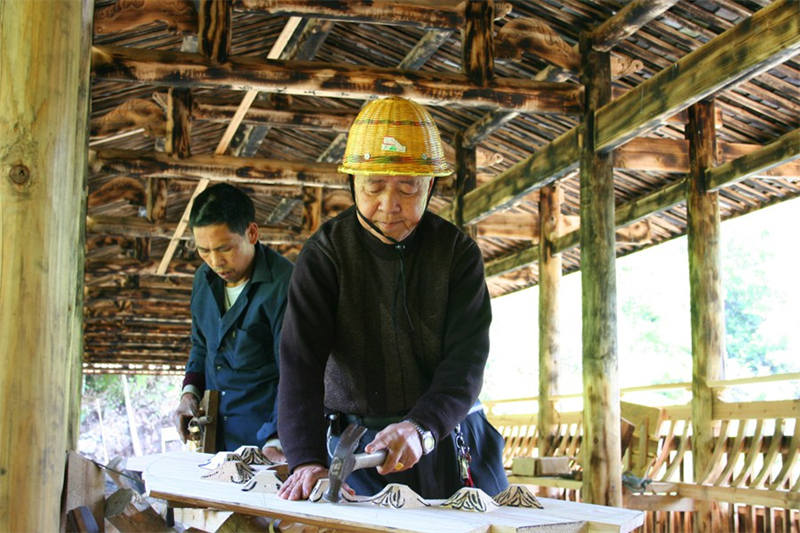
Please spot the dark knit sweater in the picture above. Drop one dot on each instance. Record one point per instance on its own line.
(354, 341)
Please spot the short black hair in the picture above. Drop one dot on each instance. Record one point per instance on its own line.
(223, 204)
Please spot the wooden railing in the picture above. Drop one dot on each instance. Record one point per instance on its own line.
(754, 479)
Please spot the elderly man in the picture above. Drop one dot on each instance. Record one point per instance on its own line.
(387, 324)
(238, 302)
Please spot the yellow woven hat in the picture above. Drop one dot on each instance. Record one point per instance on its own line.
(394, 136)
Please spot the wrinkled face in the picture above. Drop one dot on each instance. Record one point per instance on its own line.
(395, 204)
(228, 254)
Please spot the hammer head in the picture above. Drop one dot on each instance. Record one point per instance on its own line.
(343, 460)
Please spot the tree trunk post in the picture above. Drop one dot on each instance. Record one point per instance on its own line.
(600, 447)
(549, 283)
(466, 180)
(44, 96)
(705, 286)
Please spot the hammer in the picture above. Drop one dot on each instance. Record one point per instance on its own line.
(344, 461)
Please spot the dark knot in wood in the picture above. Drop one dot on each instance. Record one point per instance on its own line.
(19, 174)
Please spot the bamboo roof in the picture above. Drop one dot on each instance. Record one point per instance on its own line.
(523, 122)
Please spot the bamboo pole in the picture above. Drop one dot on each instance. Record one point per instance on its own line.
(549, 284)
(601, 447)
(708, 322)
(44, 68)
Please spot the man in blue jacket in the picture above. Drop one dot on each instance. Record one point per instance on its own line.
(238, 301)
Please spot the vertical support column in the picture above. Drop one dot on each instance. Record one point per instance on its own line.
(600, 447)
(466, 180)
(708, 319)
(44, 96)
(312, 208)
(549, 283)
(477, 48)
(214, 29)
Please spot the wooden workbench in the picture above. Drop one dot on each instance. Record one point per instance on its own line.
(176, 477)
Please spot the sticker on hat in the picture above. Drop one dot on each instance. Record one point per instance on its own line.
(390, 144)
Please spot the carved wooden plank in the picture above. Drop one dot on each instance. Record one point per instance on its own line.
(786, 148)
(247, 100)
(768, 38)
(753, 453)
(124, 15)
(601, 445)
(549, 284)
(44, 65)
(676, 460)
(179, 123)
(788, 460)
(732, 452)
(214, 29)
(218, 168)
(336, 81)
(131, 115)
(477, 45)
(769, 458)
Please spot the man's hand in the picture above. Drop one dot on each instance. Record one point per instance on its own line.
(299, 485)
(402, 445)
(188, 408)
(273, 454)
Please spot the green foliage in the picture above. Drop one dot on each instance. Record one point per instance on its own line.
(750, 297)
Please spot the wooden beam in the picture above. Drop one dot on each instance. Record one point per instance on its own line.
(466, 168)
(705, 286)
(44, 102)
(549, 324)
(219, 168)
(600, 447)
(768, 38)
(140, 227)
(542, 168)
(477, 43)
(161, 67)
(294, 117)
(782, 150)
(627, 21)
(447, 17)
(179, 15)
(277, 47)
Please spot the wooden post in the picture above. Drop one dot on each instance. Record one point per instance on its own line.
(549, 282)
(466, 180)
(214, 29)
(600, 447)
(708, 319)
(44, 65)
(477, 48)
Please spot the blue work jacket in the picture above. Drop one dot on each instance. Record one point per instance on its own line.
(237, 351)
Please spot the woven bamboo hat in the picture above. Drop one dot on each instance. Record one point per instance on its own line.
(394, 136)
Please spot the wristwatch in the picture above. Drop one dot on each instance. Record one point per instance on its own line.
(425, 437)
